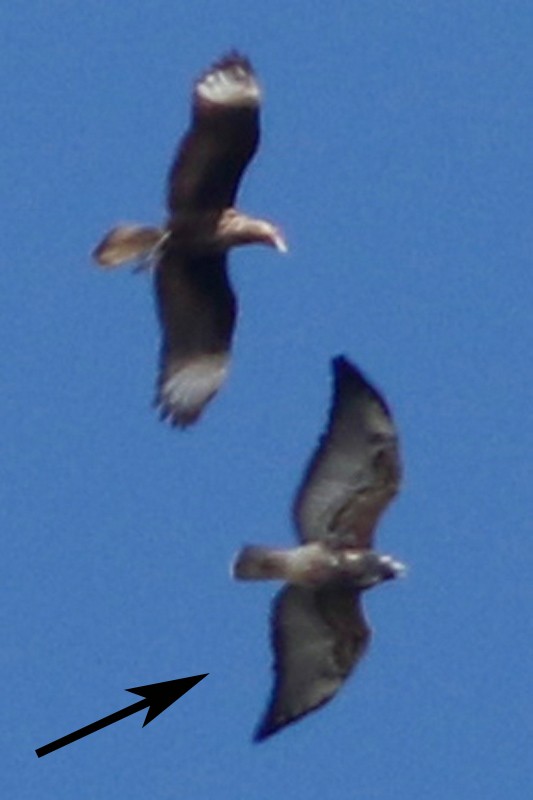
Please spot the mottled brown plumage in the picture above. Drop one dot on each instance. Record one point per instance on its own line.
(319, 631)
(196, 304)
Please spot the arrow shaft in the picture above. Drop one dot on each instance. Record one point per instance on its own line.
(92, 728)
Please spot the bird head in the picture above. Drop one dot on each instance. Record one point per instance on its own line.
(235, 228)
(273, 237)
(367, 568)
(390, 568)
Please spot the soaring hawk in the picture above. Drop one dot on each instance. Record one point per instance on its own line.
(195, 301)
(319, 630)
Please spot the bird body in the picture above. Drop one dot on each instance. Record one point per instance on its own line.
(315, 564)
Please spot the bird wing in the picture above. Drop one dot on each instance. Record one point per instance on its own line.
(197, 310)
(221, 140)
(355, 471)
(318, 636)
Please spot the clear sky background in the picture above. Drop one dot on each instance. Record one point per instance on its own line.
(396, 155)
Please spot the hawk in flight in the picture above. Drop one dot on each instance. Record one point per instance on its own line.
(319, 630)
(195, 301)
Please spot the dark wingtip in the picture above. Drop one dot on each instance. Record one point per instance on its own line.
(177, 421)
(173, 417)
(264, 730)
(343, 368)
(347, 375)
(270, 725)
(233, 58)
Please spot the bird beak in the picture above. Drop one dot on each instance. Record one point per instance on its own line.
(279, 242)
(399, 569)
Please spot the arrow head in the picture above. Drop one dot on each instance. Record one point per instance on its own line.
(161, 695)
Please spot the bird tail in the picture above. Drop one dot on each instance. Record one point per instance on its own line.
(256, 563)
(128, 243)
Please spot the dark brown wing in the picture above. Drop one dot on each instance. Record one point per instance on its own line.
(221, 140)
(318, 636)
(355, 471)
(197, 310)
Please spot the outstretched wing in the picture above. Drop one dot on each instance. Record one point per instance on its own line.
(318, 636)
(221, 140)
(197, 310)
(355, 471)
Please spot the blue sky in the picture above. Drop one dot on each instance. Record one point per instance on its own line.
(396, 155)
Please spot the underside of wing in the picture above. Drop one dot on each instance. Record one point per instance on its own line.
(222, 138)
(197, 310)
(355, 471)
(318, 636)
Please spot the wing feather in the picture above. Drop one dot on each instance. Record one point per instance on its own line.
(197, 310)
(221, 140)
(318, 637)
(355, 471)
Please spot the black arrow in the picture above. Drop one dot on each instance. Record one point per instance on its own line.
(157, 698)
